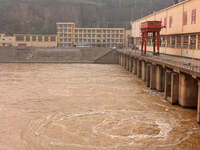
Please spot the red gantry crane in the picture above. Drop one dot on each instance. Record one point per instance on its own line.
(153, 27)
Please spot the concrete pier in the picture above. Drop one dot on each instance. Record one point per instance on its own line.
(135, 67)
(167, 88)
(130, 64)
(127, 62)
(124, 61)
(174, 88)
(148, 72)
(152, 77)
(120, 60)
(122, 57)
(143, 71)
(188, 91)
(139, 69)
(159, 78)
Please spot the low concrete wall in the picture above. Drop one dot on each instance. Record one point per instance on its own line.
(59, 55)
(111, 57)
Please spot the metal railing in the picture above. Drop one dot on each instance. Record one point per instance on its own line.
(189, 64)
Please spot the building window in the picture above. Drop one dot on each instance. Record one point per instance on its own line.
(168, 41)
(46, 38)
(199, 41)
(60, 30)
(165, 22)
(179, 41)
(194, 12)
(185, 18)
(28, 38)
(53, 38)
(149, 41)
(193, 41)
(19, 38)
(173, 41)
(185, 41)
(162, 41)
(33, 38)
(39, 38)
(170, 21)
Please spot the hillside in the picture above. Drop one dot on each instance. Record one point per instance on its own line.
(40, 16)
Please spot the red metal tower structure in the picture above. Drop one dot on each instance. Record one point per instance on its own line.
(153, 27)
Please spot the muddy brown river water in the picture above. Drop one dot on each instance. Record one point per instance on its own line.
(88, 107)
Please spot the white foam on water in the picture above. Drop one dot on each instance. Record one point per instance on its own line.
(115, 119)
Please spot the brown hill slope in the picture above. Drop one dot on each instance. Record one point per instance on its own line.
(40, 16)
